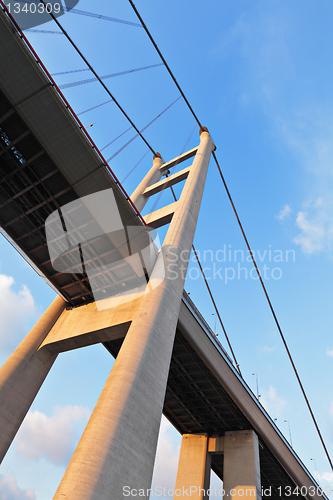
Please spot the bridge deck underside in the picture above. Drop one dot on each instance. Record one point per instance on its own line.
(196, 402)
(33, 186)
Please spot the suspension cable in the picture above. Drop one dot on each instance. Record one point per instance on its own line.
(114, 140)
(160, 194)
(85, 13)
(212, 299)
(105, 18)
(70, 71)
(244, 236)
(216, 309)
(138, 163)
(30, 30)
(144, 128)
(94, 107)
(105, 77)
(98, 78)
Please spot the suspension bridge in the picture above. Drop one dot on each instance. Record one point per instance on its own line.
(168, 360)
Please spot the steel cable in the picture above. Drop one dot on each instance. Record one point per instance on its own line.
(244, 236)
(105, 77)
(98, 78)
(272, 310)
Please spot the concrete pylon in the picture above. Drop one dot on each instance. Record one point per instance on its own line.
(241, 468)
(116, 452)
(193, 475)
(22, 375)
(152, 176)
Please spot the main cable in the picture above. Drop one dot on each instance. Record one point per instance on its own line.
(272, 309)
(244, 236)
(98, 78)
(165, 63)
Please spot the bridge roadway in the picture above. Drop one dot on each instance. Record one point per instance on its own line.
(48, 160)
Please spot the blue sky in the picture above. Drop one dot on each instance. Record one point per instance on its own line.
(259, 76)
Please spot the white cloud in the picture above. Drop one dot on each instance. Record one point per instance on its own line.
(329, 353)
(326, 476)
(331, 409)
(10, 491)
(50, 437)
(267, 349)
(16, 310)
(273, 404)
(316, 225)
(285, 212)
(167, 456)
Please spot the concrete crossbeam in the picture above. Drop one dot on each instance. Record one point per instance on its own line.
(87, 325)
(216, 445)
(167, 182)
(185, 156)
(161, 217)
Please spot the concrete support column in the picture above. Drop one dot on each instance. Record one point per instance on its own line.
(23, 373)
(241, 469)
(116, 452)
(154, 175)
(193, 475)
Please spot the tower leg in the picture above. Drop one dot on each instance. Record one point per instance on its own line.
(116, 453)
(193, 476)
(22, 375)
(241, 469)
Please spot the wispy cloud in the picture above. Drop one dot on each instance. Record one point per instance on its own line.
(16, 310)
(300, 120)
(266, 348)
(9, 490)
(50, 437)
(331, 410)
(272, 402)
(316, 225)
(329, 353)
(284, 213)
(308, 132)
(327, 476)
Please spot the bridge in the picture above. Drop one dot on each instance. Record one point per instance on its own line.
(168, 358)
